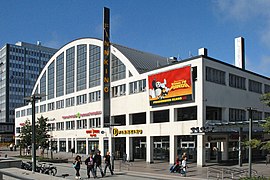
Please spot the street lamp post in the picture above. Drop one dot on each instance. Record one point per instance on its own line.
(32, 99)
(250, 138)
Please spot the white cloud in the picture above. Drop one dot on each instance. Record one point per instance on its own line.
(242, 10)
(259, 66)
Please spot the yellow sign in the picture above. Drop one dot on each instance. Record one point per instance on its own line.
(116, 132)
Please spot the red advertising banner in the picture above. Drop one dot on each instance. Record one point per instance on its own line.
(170, 86)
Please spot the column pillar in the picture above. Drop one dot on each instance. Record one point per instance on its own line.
(101, 145)
(58, 145)
(67, 144)
(200, 150)
(149, 149)
(75, 145)
(173, 148)
(87, 147)
(129, 148)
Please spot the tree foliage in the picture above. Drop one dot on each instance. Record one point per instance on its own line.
(41, 133)
(26, 134)
(266, 126)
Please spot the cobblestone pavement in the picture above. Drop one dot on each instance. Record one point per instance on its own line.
(157, 170)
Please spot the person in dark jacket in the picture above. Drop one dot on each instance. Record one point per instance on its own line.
(77, 165)
(97, 160)
(89, 162)
(107, 160)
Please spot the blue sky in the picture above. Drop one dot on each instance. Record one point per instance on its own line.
(167, 28)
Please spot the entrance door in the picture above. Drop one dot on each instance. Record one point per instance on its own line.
(120, 147)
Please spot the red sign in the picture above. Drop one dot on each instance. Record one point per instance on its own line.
(170, 86)
(93, 132)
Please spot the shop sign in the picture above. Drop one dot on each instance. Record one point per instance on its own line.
(93, 132)
(170, 86)
(79, 115)
(117, 132)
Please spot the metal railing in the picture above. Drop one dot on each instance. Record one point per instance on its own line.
(228, 173)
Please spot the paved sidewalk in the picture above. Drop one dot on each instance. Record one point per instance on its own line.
(159, 169)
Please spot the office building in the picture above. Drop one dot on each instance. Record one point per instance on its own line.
(20, 65)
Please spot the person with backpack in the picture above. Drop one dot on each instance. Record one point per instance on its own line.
(97, 160)
(107, 160)
(89, 162)
(77, 165)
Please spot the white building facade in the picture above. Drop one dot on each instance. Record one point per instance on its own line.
(147, 122)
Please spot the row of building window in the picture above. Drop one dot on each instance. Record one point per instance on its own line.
(218, 76)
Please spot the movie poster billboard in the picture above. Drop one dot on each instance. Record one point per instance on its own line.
(170, 86)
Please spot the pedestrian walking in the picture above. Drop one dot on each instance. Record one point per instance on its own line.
(77, 165)
(107, 160)
(97, 160)
(89, 162)
(184, 167)
(176, 165)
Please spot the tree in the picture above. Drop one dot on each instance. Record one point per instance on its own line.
(266, 126)
(26, 134)
(41, 133)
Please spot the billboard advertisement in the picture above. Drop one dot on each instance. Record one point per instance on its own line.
(170, 86)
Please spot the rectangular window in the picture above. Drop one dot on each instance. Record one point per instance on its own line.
(94, 123)
(60, 75)
(51, 106)
(18, 114)
(23, 113)
(94, 66)
(81, 67)
(70, 61)
(266, 88)
(257, 115)
(70, 125)
(43, 108)
(60, 104)
(237, 81)
(255, 86)
(237, 115)
(82, 99)
(94, 96)
(215, 75)
(51, 81)
(187, 113)
(59, 126)
(118, 69)
(29, 111)
(18, 130)
(70, 102)
(82, 124)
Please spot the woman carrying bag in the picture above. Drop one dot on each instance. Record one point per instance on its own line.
(77, 165)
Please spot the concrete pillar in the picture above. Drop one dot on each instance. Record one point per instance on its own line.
(67, 144)
(149, 149)
(173, 148)
(75, 145)
(224, 149)
(87, 147)
(101, 145)
(200, 150)
(58, 145)
(148, 117)
(129, 148)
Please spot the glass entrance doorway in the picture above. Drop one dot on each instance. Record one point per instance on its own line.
(120, 147)
(139, 148)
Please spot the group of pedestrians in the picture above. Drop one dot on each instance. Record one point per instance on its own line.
(180, 165)
(93, 163)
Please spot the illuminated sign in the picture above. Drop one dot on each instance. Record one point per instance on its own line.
(79, 115)
(117, 132)
(106, 66)
(170, 86)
